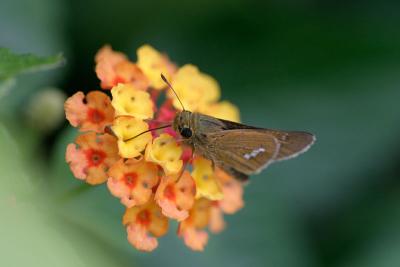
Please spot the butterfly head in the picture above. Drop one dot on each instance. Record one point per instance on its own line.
(182, 124)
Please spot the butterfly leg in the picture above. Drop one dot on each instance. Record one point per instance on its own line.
(213, 165)
(185, 164)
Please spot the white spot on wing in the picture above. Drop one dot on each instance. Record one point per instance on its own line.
(254, 153)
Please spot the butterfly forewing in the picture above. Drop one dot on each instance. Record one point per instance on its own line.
(292, 143)
(247, 152)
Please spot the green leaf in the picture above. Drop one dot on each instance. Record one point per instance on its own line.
(12, 64)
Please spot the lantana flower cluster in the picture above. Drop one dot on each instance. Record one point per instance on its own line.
(152, 173)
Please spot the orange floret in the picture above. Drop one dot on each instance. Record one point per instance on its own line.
(192, 229)
(233, 193)
(91, 156)
(175, 196)
(113, 68)
(132, 181)
(144, 224)
(91, 113)
(217, 223)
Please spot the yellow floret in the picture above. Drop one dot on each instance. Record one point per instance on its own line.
(128, 100)
(165, 152)
(206, 183)
(126, 128)
(195, 89)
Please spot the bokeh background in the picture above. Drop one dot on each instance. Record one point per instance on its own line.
(329, 67)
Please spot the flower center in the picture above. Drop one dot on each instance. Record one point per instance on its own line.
(118, 79)
(95, 157)
(95, 115)
(130, 179)
(143, 217)
(169, 193)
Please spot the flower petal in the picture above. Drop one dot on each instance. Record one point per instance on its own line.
(75, 109)
(140, 221)
(92, 157)
(139, 238)
(129, 100)
(166, 112)
(191, 228)
(114, 67)
(126, 128)
(165, 151)
(233, 193)
(132, 181)
(222, 110)
(206, 182)
(194, 239)
(76, 160)
(195, 89)
(153, 63)
(217, 223)
(118, 189)
(170, 210)
(176, 197)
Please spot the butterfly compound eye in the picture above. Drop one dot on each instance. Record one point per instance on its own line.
(186, 132)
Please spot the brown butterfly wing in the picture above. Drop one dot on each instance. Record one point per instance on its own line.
(292, 143)
(227, 143)
(242, 151)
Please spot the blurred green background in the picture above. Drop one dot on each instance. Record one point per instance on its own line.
(329, 67)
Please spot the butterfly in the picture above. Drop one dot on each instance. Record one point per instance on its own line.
(240, 150)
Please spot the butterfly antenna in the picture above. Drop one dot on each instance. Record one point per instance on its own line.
(149, 130)
(170, 86)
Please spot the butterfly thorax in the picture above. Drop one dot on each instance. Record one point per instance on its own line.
(195, 125)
